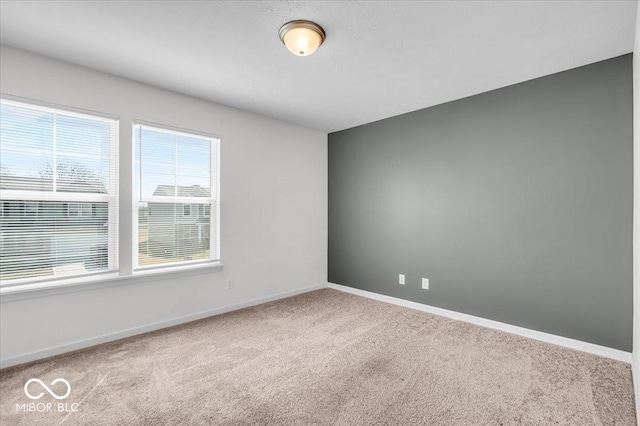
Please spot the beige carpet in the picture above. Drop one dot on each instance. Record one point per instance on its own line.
(326, 358)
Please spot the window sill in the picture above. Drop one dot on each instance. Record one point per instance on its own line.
(72, 285)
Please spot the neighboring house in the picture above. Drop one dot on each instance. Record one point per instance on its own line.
(20, 183)
(179, 230)
(49, 233)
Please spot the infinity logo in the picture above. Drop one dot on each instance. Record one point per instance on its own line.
(52, 393)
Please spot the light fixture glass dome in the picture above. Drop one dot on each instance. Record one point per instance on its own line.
(302, 38)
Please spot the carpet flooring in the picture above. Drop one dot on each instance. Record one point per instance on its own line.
(324, 358)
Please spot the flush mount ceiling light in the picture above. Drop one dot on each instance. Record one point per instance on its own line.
(302, 38)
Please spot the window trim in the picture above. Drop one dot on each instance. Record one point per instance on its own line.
(213, 200)
(52, 107)
(36, 287)
(112, 198)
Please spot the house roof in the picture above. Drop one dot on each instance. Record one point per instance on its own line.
(22, 183)
(183, 191)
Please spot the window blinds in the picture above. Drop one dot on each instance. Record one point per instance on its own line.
(58, 193)
(176, 191)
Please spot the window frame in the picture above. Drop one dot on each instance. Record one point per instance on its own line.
(125, 274)
(111, 198)
(213, 200)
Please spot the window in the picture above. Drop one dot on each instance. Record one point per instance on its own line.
(59, 196)
(79, 210)
(56, 169)
(31, 208)
(73, 209)
(175, 183)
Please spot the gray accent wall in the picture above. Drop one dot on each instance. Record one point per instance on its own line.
(515, 203)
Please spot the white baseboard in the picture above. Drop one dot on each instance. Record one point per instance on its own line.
(635, 372)
(85, 343)
(520, 331)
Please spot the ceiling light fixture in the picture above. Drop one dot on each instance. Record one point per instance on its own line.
(302, 38)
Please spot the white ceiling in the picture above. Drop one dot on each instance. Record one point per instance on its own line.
(380, 59)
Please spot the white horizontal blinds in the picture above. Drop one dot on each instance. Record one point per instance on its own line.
(176, 191)
(58, 192)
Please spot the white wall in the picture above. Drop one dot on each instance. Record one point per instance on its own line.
(273, 209)
(636, 215)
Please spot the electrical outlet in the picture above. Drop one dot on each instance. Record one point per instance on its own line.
(229, 283)
(401, 279)
(425, 283)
